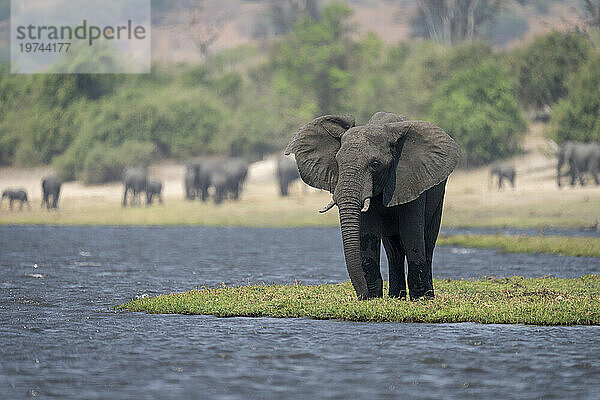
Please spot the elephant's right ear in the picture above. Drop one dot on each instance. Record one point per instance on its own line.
(315, 146)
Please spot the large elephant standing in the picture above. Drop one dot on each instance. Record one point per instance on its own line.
(581, 158)
(388, 180)
(50, 189)
(135, 180)
(287, 173)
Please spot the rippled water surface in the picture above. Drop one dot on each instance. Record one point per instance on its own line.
(59, 337)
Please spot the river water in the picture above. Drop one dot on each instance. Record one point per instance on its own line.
(59, 337)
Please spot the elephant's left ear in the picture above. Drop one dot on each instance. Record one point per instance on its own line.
(426, 156)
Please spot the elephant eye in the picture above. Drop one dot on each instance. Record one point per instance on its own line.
(375, 165)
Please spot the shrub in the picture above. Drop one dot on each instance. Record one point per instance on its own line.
(478, 108)
(102, 164)
(105, 164)
(544, 66)
(577, 117)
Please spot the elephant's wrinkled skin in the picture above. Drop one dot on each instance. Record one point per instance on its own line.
(503, 172)
(287, 173)
(581, 158)
(135, 180)
(388, 179)
(19, 195)
(51, 189)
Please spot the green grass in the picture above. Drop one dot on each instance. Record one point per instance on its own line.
(560, 245)
(540, 301)
(559, 210)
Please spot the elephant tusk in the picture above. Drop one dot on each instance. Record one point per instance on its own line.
(366, 205)
(327, 207)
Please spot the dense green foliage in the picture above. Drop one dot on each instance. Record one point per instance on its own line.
(478, 107)
(540, 301)
(544, 66)
(577, 116)
(249, 101)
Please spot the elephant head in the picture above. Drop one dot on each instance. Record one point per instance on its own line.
(390, 158)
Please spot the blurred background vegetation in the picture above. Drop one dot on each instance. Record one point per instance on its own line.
(468, 66)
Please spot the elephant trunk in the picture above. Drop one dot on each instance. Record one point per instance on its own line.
(350, 204)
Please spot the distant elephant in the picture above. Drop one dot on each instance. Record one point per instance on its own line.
(219, 182)
(236, 170)
(50, 188)
(226, 177)
(135, 180)
(15, 195)
(503, 172)
(197, 179)
(188, 182)
(581, 158)
(287, 173)
(153, 188)
(388, 179)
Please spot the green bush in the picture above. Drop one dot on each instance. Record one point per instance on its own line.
(479, 109)
(544, 66)
(577, 117)
(105, 164)
(102, 164)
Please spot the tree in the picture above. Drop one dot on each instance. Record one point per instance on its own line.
(478, 107)
(577, 116)
(203, 31)
(453, 21)
(314, 57)
(593, 10)
(544, 66)
(284, 14)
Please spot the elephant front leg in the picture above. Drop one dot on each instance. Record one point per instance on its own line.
(395, 256)
(370, 247)
(412, 233)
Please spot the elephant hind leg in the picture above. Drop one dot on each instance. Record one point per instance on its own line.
(395, 255)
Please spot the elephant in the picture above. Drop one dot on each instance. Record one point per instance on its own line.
(227, 178)
(388, 179)
(236, 170)
(189, 182)
(197, 179)
(51, 188)
(581, 158)
(220, 183)
(287, 173)
(15, 195)
(135, 180)
(503, 172)
(153, 188)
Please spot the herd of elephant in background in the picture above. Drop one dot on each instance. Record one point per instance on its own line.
(219, 179)
(50, 192)
(580, 158)
(224, 179)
